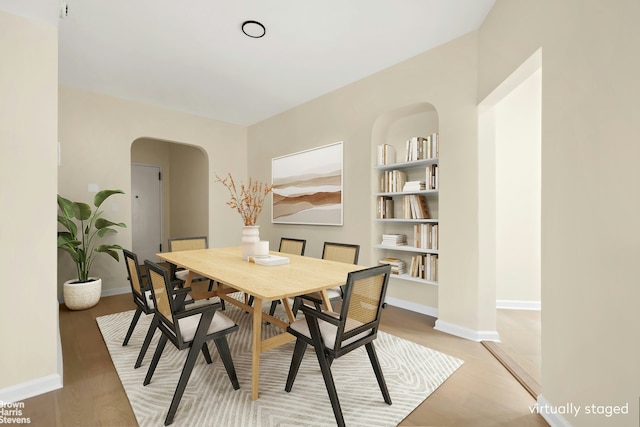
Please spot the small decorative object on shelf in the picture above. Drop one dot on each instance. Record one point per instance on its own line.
(248, 201)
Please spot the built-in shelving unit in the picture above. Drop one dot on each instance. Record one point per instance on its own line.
(407, 208)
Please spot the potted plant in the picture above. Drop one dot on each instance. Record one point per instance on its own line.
(83, 229)
(248, 202)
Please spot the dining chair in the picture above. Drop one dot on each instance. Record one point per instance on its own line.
(288, 245)
(341, 252)
(188, 244)
(333, 335)
(142, 297)
(141, 291)
(190, 329)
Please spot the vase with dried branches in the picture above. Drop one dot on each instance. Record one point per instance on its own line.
(247, 199)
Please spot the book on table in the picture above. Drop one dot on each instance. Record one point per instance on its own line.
(269, 260)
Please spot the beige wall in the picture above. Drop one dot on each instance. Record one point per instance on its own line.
(96, 134)
(590, 198)
(517, 177)
(28, 130)
(444, 77)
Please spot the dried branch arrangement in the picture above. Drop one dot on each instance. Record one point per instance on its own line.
(248, 201)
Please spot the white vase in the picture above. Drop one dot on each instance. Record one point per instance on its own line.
(250, 236)
(79, 296)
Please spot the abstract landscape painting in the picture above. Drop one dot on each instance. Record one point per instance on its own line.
(307, 186)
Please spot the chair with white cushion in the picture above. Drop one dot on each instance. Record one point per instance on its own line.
(341, 252)
(333, 335)
(190, 329)
(188, 244)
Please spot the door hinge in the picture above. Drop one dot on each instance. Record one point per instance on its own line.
(159, 176)
(160, 247)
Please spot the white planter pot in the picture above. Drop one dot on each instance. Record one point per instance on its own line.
(80, 296)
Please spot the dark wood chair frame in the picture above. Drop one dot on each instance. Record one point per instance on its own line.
(169, 325)
(327, 355)
(139, 288)
(174, 269)
(313, 298)
(275, 303)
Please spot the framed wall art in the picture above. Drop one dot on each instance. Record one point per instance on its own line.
(307, 187)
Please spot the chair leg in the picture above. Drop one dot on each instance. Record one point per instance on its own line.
(331, 386)
(373, 357)
(225, 354)
(147, 341)
(206, 354)
(156, 358)
(134, 322)
(298, 353)
(274, 304)
(325, 366)
(182, 382)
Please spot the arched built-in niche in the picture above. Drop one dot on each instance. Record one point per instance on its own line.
(184, 185)
(395, 127)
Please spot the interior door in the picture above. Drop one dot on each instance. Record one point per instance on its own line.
(146, 206)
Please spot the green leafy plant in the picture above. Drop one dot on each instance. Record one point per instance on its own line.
(84, 228)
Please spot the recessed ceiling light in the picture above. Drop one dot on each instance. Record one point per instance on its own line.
(253, 29)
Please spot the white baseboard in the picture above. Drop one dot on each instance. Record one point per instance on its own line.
(412, 306)
(518, 305)
(105, 293)
(18, 392)
(466, 333)
(554, 419)
(116, 291)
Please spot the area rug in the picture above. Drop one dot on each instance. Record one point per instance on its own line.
(412, 373)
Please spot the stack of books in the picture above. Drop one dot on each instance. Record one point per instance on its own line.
(414, 186)
(397, 265)
(394, 239)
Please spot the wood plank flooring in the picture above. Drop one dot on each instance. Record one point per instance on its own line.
(481, 393)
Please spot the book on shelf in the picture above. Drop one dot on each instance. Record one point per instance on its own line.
(394, 239)
(386, 154)
(422, 147)
(392, 181)
(415, 207)
(424, 267)
(398, 266)
(425, 236)
(431, 177)
(385, 207)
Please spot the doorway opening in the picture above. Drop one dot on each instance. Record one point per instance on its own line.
(509, 212)
(178, 198)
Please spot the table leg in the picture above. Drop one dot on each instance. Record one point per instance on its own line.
(326, 301)
(256, 347)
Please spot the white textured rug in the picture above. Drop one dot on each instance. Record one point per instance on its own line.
(412, 373)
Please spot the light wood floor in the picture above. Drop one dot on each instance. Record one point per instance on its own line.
(480, 393)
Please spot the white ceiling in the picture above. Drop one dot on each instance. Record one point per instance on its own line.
(192, 56)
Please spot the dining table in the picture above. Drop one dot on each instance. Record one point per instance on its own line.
(232, 274)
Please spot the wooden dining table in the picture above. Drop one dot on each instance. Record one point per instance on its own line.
(225, 266)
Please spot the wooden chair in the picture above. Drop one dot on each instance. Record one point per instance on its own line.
(188, 244)
(335, 334)
(141, 291)
(287, 246)
(142, 297)
(341, 252)
(190, 329)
